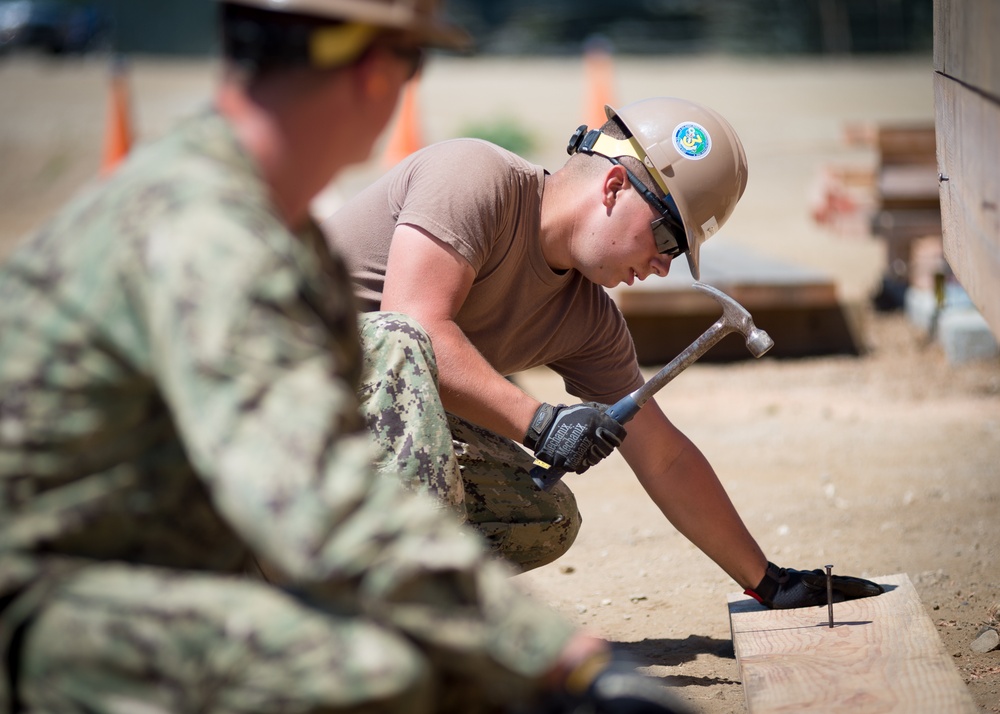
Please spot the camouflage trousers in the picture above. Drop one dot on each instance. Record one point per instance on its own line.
(113, 638)
(480, 476)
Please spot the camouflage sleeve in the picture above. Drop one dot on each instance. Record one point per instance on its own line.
(255, 343)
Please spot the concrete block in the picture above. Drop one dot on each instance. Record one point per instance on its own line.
(965, 336)
(919, 304)
(919, 307)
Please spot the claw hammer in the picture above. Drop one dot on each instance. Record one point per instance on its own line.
(735, 318)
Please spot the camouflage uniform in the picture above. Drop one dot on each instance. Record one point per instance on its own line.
(178, 400)
(482, 477)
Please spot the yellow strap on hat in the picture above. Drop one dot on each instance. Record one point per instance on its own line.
(338, 45)
(616, 148)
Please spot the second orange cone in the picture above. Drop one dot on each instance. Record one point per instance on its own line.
(406, 136)
(118, 130)
(599, 82)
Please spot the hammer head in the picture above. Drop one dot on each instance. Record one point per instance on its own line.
(735, 318)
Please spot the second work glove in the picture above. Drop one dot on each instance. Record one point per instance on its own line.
(783, 588)
(602, 686)
(573, 438)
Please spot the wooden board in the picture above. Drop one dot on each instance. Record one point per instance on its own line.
(905, 144)
(965, 47)
(967, 117)
(755, 281)
(797, 306)
(969, 153)
(908, 187)
(882, 656)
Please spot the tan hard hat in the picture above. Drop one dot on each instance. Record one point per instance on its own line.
(422, 18)
(696, 158)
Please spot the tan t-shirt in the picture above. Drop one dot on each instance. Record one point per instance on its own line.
(485, 202)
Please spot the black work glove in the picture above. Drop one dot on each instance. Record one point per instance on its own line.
(784, 588)
(573, 438)
(612, 686)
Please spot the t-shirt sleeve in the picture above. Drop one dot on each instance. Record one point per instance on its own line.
(451, 191)
(602, 365)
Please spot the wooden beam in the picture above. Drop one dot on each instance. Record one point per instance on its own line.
(967, 114)
(968, 154)
(965, 48)
(882, 655)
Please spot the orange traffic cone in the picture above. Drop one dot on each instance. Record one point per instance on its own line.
(406, 136)
(599, 81)
(118, 130)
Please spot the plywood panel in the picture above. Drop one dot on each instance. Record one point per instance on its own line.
(968, 127)
(882, 656)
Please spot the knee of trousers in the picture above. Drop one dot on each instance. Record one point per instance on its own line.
(562, 532)
(532, 543)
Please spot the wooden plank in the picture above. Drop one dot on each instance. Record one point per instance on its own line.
(965, 46)
(969, 153)
(797, 306)
(882, 656)
(901, 144)
(668, 301)
(909, 187)
(755, 281)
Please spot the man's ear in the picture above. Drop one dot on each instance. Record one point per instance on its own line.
(371, 75)
(615, 180)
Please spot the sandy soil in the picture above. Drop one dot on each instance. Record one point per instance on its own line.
(880, 464)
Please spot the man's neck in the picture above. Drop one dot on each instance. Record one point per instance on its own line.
(264, 129)
(556, 231)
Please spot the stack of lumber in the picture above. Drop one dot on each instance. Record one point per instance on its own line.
(908, 206)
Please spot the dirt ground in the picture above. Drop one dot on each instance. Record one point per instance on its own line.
(880, 464)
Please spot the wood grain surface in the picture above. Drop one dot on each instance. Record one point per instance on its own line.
(882, 655)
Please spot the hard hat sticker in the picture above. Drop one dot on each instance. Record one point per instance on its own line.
(692, 140)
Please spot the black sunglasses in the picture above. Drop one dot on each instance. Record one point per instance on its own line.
(668, 231)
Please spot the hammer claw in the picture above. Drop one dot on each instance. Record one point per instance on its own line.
(734, 318)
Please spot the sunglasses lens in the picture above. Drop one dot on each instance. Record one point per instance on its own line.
(668, 231)
(670, 238)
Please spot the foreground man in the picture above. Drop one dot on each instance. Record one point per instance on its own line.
(504, 265)
(178, 366)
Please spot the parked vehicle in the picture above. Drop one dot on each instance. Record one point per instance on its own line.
(52, 26)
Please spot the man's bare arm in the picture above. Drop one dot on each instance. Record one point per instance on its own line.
(429, 281)
(682, 483)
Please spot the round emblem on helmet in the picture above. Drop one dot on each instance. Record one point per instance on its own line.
(692, 140)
